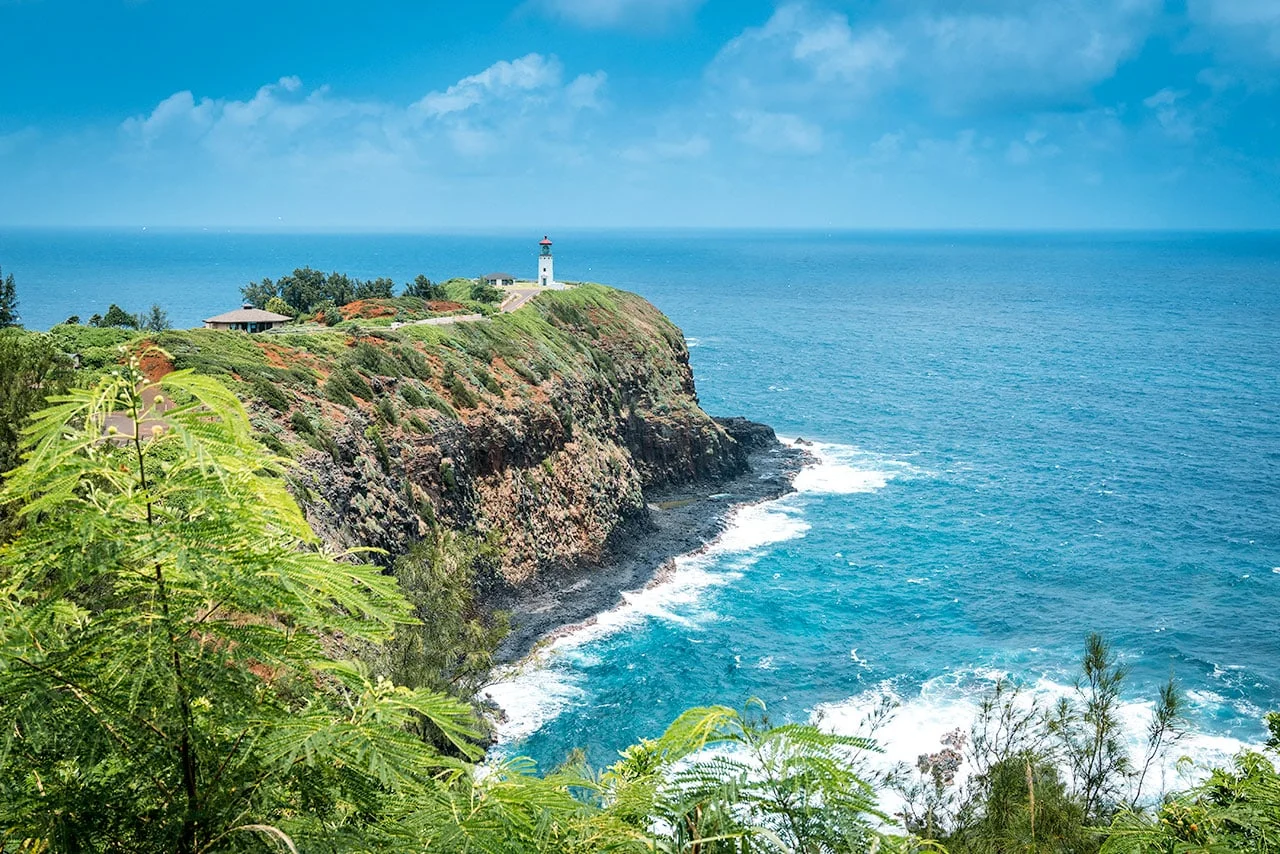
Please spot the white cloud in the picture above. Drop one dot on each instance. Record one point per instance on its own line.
(803, 54)
(1043, 52)
(599, 14)
(1038, 51)
(280, 121)
(584, 93)
(1248, 29)
(502, 80)
(1030, 147)
(1176, 121)
(1216, 79)
(779, 132)
(11, 142)
(283, 122)
(688, 148)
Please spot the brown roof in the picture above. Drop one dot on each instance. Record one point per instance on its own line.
(248, 315)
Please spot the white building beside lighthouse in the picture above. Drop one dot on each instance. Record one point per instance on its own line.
(546, 275)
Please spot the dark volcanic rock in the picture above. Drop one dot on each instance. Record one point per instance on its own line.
(545, 434)
(751, 435)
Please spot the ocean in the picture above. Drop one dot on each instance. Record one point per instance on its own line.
(1021, 438)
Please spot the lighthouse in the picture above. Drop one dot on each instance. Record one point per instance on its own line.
(546, 277)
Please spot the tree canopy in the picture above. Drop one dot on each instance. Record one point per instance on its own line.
(305, 290)
(8, 301)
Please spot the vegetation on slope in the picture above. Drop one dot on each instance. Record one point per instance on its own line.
(170, 680)
(183, 667)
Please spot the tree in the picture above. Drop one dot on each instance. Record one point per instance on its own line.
(279, 306)
(303, 289)
(1090, 733)
(423, 288)
(340, 288)
(380, 288)
(172, 666)
(31, 369)
(155, 320)
(117, 316)
(73, 320)
(452, 647)
(257, 294)
(482, 292)
(8, 301)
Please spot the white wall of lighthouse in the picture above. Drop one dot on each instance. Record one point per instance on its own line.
(546, 272)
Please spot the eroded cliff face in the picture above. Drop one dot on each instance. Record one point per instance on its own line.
(543, 428)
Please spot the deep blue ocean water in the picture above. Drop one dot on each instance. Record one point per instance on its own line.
(1023, 438)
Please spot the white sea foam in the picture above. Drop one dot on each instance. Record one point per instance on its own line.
(536, 690)
(845, 469)
(941, 705)
(533, 692)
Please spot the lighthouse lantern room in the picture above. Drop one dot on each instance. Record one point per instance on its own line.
(546, 277)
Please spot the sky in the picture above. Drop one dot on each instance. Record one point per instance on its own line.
(473, 114)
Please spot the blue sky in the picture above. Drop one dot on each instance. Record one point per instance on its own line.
(544, 113)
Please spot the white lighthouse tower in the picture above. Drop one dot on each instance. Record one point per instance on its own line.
(546, 276)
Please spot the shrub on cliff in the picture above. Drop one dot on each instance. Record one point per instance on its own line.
(451, 648)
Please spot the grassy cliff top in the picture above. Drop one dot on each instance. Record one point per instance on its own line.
(426, 372)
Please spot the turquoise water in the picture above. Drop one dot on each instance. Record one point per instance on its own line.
(1022, 438)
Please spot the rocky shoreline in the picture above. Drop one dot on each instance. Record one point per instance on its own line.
(678, 521)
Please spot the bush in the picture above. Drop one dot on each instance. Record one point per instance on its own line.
(412, 396)
(270, 394)
(73, 338)
(336, 391)
(480, 292)
(346, 383)
(374, 435)
(387, 411)
(279, 306)
(462, 396)
(301, 424)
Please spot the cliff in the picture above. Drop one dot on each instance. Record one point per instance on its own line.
(543, 428)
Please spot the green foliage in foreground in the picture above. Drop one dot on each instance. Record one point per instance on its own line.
(31, 369)
(173, 678)
(1235, 809)
(178, 672)
(164, 678)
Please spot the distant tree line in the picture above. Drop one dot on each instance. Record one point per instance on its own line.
(154, 319)
(307, 291)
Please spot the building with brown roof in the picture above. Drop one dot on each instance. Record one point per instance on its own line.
(247, 319)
